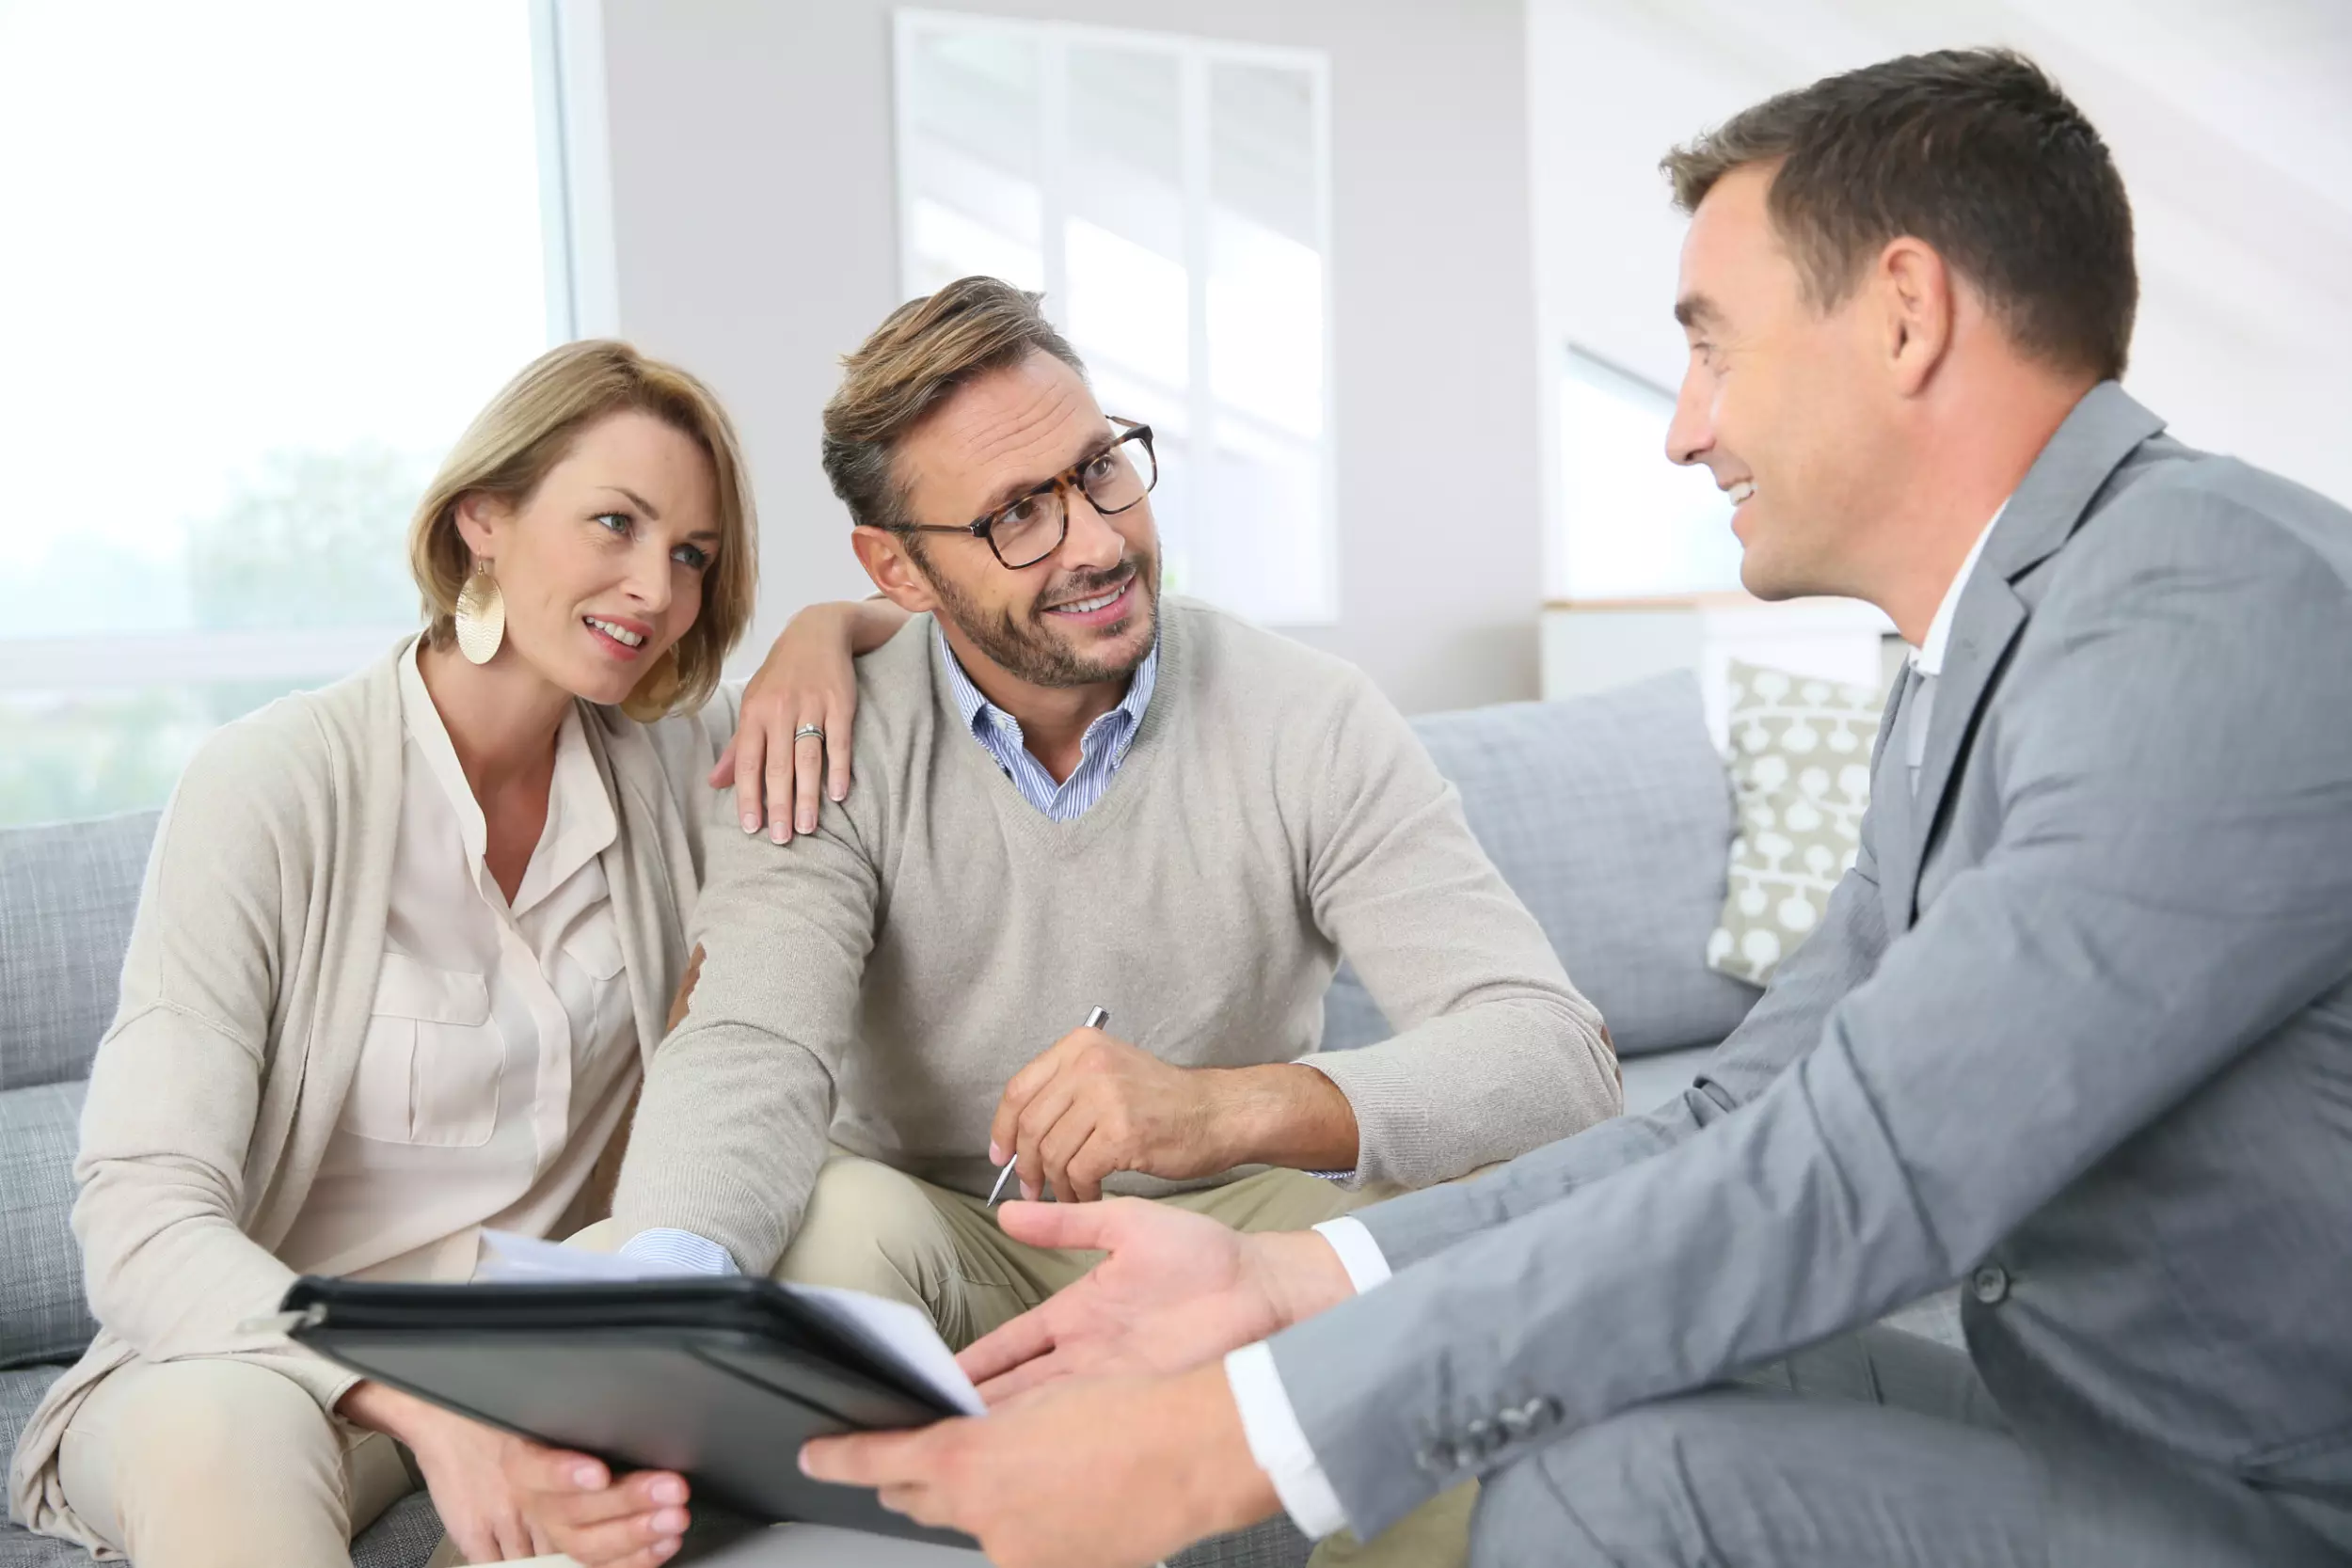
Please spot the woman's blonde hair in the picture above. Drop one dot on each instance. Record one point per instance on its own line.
(526, 430)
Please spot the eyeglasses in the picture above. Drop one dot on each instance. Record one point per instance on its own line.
(1027, 529)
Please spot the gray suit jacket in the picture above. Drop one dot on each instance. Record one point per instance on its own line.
(2077, 1028)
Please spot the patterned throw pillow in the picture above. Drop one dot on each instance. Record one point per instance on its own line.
(1801, 780)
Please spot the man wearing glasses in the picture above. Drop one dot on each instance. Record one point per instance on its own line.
(1074, 794)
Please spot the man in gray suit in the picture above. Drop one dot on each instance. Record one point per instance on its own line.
(2076, 1030)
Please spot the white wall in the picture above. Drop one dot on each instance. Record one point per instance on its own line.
(751, 208)
(1496, 196)
(2230, 124)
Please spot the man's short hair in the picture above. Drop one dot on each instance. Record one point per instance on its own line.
(925, 350)
(1975, 152)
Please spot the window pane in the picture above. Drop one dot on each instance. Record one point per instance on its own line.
(974, 202)
(1124, 232)
(74, 755)
(1169, 196)
(1263, 538)
(1129, 294)
(284, 252)
(287, 250)
(1635, 526)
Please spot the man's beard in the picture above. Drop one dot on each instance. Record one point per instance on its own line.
(1032, 649)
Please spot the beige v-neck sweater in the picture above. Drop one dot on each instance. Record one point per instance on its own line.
(876, 982)
(246, 996)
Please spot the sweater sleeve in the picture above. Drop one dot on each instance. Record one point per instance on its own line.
(738, 1100)
(177, 1082)
(1496, 1052)
(1778, 1030)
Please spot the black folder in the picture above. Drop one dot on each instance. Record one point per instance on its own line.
(719, 1379)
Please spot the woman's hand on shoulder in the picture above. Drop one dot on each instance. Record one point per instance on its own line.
(792, 744)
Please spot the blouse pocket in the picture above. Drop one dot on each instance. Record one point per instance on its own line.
(430, 1065)
(595, 948)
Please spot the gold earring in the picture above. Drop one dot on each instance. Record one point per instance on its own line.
(481, 616)
(650, 699)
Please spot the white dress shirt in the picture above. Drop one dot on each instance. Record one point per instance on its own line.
(1268, 1421)
(1927, 660)
(502, 1045)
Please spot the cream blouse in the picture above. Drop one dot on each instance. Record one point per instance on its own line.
(501, 1047)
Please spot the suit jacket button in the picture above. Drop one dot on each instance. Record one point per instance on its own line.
(1990, 1284)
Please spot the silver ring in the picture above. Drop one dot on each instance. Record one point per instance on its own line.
(807, 729)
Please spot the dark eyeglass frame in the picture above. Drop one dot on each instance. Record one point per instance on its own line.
(1068, 479)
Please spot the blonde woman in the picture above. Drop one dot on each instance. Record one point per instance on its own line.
(404, 945)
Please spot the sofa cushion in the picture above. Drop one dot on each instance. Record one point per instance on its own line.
(43, 1314)
(1610, 816)
(67, 895)
(404, 1537)
(1801, 780)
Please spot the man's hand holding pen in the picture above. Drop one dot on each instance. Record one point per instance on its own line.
(1093, 1105)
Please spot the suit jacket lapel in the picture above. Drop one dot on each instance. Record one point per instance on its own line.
(2050, 503)
(1990, 617)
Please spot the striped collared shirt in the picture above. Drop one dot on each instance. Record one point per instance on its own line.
(1101, 749)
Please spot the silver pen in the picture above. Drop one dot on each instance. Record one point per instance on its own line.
(1096, 1018)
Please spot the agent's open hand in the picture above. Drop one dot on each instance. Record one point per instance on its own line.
(1105, 1473)
(1177, 1290)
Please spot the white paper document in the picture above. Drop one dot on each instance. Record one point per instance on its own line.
(511, 1259)
(892, 1330)
(897, 1333)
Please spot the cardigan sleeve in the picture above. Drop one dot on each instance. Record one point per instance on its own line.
(687, 746)
(177, 1083)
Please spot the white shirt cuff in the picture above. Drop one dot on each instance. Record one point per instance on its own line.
(1360, 1255)
(680, 1251)
(1277, 1441)
(1278, 1444)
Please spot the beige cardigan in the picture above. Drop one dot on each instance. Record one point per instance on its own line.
(245, 994)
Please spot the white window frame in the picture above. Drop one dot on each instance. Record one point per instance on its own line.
(576, 204)
(1194, 56)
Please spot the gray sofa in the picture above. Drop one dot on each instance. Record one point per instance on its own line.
(1610, 814)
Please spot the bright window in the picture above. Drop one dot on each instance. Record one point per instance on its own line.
(1170, 197)
(265, 260)
(1633, 524)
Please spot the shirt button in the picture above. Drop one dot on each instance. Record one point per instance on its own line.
(1990, 1284)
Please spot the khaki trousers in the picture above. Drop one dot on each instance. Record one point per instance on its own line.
(872, 1229)
(221, 1464)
